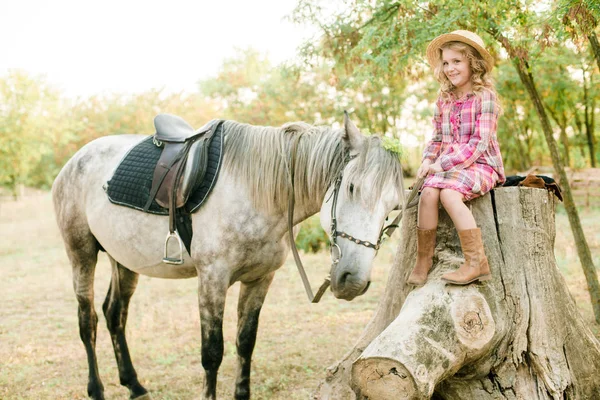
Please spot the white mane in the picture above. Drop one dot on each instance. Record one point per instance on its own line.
(259, 157)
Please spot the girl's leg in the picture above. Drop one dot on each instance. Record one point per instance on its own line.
(476, 266)
(453, 202)
(426, 230)
(428, 208)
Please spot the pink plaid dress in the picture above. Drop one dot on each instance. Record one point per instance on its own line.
(465, 141)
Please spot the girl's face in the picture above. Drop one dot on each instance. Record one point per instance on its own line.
(457, 69)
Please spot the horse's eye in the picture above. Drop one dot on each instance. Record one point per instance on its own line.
(351, 188)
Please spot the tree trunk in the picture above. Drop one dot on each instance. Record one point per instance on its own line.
(583, 250)
(595, 46)
(562, 124)
(518, 336)
(589, 123)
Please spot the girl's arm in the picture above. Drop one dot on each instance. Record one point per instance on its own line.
(432, 150)
(485, 127)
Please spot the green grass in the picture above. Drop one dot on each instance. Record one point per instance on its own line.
(41, 355)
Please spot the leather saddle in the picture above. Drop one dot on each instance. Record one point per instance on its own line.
(181, 165)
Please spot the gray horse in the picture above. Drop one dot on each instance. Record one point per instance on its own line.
(239, 232)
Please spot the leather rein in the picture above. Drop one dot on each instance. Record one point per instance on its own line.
(336, 252)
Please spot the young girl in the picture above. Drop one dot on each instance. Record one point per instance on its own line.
(462, 161)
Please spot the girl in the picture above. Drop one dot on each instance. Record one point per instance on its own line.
(462, 161)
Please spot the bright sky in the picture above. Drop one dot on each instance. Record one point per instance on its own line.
(91, 47)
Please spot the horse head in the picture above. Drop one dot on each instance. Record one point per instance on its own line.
(355, 209)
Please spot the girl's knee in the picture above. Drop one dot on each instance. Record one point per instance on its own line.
(449, 197)
(430, 196)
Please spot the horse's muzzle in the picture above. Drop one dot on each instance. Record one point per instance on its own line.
(347, 287)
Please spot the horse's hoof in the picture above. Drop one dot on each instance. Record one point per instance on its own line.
(145, 396)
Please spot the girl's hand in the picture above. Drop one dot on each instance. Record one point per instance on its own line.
(423, 169)
(436, 167)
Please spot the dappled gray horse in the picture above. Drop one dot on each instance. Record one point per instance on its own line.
(239, 232)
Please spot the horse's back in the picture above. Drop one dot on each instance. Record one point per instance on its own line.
(87, 171)
(98, 157)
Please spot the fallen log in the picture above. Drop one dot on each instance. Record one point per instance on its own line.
(518, 336)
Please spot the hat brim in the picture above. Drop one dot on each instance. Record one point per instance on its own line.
(434, 46)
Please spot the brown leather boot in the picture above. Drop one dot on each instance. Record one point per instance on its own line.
(425, 247)
(476, 265)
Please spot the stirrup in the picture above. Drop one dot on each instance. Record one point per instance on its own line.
(172, 260)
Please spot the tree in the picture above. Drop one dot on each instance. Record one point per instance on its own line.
(580, 19)
(26, 111)
(518, 129)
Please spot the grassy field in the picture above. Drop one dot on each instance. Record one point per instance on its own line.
(41, 355)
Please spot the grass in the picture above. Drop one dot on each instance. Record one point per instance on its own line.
(41, 356)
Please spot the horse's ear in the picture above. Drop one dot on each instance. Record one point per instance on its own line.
(351, 133)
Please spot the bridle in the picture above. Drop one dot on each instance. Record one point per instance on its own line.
(336, 252)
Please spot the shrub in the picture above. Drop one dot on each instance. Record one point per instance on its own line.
(312, 237)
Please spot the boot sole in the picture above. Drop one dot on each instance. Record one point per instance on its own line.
(479, 278)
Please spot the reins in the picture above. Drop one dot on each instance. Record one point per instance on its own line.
(409, 202)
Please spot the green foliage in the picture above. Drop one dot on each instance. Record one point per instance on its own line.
(393, 145)
(368, 59)
(312, 237)
(27, 132)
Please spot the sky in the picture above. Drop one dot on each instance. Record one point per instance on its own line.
(129, 46)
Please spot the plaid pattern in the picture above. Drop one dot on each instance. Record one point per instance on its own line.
(465, 141)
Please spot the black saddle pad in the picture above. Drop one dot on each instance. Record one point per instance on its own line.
(131, 183)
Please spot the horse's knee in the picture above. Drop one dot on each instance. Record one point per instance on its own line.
(112, 313)
(88, 322)
(246, 339)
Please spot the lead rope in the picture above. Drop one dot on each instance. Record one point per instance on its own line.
(410, 202)
(312, 298)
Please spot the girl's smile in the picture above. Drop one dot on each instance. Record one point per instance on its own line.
(458, 70)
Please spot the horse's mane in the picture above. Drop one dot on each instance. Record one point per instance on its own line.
(259, 156)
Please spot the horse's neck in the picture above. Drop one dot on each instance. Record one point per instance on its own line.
(302, 213)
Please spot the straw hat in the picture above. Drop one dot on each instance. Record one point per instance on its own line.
(467, 37)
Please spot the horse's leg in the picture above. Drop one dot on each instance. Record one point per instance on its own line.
(115, 307)
(82, 250)
(252, 296)
(212, 290)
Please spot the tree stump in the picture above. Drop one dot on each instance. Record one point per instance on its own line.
(518, 336)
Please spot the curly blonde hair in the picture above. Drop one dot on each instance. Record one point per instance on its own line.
(480, 78)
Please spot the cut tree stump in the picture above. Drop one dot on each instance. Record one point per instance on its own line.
(518, 336)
